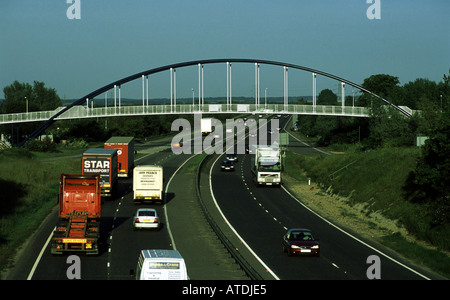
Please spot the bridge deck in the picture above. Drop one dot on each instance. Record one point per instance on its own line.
(79, 111)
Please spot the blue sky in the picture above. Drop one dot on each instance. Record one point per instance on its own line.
(117, 38)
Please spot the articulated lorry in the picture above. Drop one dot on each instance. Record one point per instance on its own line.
(78, 227)
(125, 153)
(266, 165)
(148, 183)
(104, 162)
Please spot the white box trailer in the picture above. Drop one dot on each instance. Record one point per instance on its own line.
(161, 264)
(148, 183)
(206, 125)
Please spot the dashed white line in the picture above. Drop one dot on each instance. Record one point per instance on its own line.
(232, 228)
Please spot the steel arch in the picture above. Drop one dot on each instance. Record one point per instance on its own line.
(202, 62)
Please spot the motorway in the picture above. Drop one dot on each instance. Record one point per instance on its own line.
(262, 215)
(120, 245)
(255, 218)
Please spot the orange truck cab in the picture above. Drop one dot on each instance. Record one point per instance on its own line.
(78, 226)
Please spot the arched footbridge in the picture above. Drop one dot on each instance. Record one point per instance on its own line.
(84, 107)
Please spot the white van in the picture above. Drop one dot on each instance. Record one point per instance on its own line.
(159, 264)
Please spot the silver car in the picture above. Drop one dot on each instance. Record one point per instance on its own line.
(146, 218)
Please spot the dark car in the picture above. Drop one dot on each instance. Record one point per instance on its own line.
(300, 241)
(227, 166)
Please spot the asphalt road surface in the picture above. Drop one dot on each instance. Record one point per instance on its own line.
(259, 215)
(262, 215)
(187, 231)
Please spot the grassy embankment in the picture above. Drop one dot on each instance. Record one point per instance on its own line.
(28, 192)
(373, 181)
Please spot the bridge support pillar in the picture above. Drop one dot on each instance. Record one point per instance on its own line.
(173, 88)
(229, 95)
(200, 87)
(286, 88)
(257, 85)
(115, 98)
(143, 93)
(314, 91)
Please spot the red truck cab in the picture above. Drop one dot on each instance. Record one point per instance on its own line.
(78, 226)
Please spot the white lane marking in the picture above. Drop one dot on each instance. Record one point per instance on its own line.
(355, 238)
(38, 259)
(232, 228)
(40, 255)
(306, 144)
(165, 206)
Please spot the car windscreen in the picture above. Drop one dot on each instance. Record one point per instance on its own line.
(301, 236)
(146, 213)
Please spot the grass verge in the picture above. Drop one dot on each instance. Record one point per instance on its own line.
(29, 190)
(372, 183)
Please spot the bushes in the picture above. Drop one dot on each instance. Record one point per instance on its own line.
(45, 145)
(429, 183)
(375, 179)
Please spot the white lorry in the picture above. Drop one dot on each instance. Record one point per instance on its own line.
(206, 125)
(161, 264)
(266, 165)
(148, 183)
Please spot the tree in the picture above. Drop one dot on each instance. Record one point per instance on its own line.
(444, 91)
(37, 97)
(45, 98)
(16, 96)
(429, 183)
(86, 129)
(388, 128)
(327, 97)
(383, 85)
(419, 89)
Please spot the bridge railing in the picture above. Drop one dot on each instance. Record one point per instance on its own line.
(92, 112)
(28, 117)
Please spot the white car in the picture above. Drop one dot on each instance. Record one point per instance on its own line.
(146, 218)
(232, 157)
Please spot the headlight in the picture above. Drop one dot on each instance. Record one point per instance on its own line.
(315, 247)
(295, 247)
